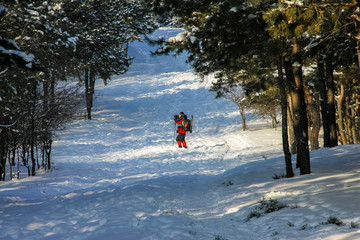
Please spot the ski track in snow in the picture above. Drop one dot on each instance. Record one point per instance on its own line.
(127, 151)
(121, 175)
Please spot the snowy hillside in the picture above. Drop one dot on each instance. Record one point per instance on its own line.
(121, 176)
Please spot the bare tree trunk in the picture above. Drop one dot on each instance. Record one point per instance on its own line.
(355, 117)
(330, 86)
(323, 101)
(13, 156)
(46, 95)
(243, 117)
(274, 122)
(52, 89)
(3, 140)
(340, 115)
(87, 94)
(32, 146)
(293, 71)
(315, 131)
(314, 119)
(48, 153)
(89, 80)
(104, 81)
(43, 165)
(347, 117)
(357, 48)
(10, 165)
(300, 121)
(285, 141)
(33, 134)
(18, 164)
(291, 128)
(348, 111)
(3, 153)
(92, 87)
(37, 156)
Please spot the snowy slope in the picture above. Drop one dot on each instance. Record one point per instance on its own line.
(120, 175)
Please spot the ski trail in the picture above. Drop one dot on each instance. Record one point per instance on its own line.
(120, 175)
(133, 177)
(137, 129)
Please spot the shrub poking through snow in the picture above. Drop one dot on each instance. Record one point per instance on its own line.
(253, 213)
(354, 224)
(218, 237)
(271, 205)
(266, 206)
(278, 176)
(334, 220)
(228, 183)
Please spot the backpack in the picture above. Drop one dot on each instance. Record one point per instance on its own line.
(187, 124)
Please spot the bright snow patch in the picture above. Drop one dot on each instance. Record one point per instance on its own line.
(120, 175)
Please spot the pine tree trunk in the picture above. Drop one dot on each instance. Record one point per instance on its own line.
(284, 126)
(358, 48)
(330, 86)
(46, 95)
(87, 93)
(10, 165)
(323, 102)
(243, 117)
(32, 136)
(291, 127)
(48, 153)
(300, 121)
(290, 82)
(3, 137)
(347, 117)
(293, 72)
(13, 156)
(314, 119)
(353, 106)
(274, 122)
(104, 81)
(347, 108)
(340, 114)
(315, 131)
(52, 89)
(355, 117)
(92, 87)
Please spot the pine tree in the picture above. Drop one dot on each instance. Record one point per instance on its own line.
(103, 30)
(27, 119)
(287, 23)
(230, 38)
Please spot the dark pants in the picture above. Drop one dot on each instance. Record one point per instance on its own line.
(180, 137)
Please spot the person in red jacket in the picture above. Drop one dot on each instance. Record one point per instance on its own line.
(180, 139)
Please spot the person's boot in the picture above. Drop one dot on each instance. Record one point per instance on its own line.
(184, 144)
(179, 144)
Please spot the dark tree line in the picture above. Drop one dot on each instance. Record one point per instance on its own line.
(308, 50)
(43, 45)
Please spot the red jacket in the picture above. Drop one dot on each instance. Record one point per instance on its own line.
(180, 127)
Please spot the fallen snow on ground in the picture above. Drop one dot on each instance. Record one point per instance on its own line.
(120, 175)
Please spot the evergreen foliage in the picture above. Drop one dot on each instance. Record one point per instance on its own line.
(102, 31)
(43, 43)
(246, 42)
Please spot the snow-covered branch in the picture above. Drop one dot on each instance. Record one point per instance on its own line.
(294, 2)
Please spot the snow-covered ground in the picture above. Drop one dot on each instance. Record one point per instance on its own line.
(121, 176)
